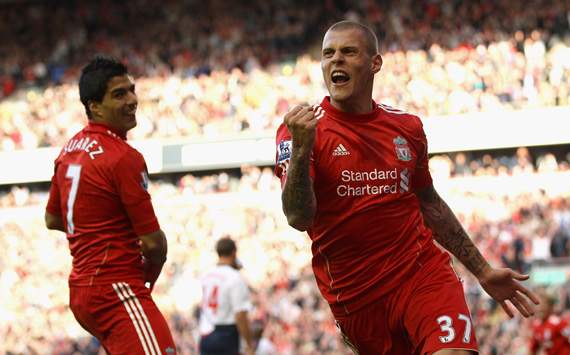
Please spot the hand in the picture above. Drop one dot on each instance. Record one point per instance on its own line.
(502, 285)
(150, 273)
(301, 123)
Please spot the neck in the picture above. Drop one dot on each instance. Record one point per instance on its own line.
(362, 107)
(115, 130)
(225, 261)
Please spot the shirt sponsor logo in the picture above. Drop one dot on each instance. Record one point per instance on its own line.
(388, 182)
(402, 150)
(340, 150)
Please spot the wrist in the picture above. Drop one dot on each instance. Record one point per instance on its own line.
(483, 274)
(301, 151)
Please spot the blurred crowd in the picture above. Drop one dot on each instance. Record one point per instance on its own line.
(209, 72)
(204, 71)
(516, 207)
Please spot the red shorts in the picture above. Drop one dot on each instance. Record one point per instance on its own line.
(426, 314)
(123, 317)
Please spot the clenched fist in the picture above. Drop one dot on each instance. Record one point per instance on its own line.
(302, 124)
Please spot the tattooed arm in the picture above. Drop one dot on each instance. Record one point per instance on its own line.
(449, 233)
(501, 284)
(298, 197)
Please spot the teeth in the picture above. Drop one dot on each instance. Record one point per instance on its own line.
(339, 75)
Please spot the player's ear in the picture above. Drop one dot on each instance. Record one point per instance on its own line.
(376, 63)
(94, 108)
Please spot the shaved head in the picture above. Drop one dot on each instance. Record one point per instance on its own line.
(369, 36)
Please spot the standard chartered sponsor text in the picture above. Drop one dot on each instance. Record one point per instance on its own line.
(347, 176)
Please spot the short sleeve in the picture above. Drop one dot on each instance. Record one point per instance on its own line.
(284, 150)
(422, 177)
(240, 296)
(53, 205)
(131, 178)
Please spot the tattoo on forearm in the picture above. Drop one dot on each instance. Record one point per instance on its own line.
(298, 196)
(449, 232)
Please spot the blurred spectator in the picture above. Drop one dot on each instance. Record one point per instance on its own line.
(514, 223)
(231, 75)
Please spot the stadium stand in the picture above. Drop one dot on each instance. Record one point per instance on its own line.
(204, 73)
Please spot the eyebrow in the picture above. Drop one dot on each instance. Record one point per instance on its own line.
(341, 48)
(122, 88)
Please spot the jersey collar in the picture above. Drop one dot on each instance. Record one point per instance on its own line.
(331, 110)
(103, 128)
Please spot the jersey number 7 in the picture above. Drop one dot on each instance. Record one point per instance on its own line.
(73, 173)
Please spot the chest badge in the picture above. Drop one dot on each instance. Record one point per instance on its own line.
(402, 149)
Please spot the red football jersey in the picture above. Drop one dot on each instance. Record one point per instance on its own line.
(99, 190)
(368, 230)
(551, 335)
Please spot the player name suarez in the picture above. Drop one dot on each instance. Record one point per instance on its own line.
(86, 144)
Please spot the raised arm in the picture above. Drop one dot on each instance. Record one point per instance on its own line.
(501, 284)
(298, 197)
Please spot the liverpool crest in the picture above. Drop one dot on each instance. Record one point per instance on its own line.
(402, 150)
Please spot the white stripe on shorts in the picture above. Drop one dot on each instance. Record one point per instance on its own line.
(135, 322)
(145, 318)
(141, 317)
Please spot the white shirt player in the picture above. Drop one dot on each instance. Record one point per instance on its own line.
(224, 293)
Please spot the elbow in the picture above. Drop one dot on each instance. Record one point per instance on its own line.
(49, 224)
(53, 222)
(300, 223)
(155, 247)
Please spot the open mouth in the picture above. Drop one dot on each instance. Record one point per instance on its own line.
(131, 115)
(339, 77)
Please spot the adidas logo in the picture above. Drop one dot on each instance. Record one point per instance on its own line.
(340, 150)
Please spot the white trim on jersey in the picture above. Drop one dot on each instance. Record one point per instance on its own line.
(150, 347)
(392, 110)
(319, 111)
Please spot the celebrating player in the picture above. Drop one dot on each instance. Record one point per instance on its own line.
(98, 198)
(355, 176)
(225, 305)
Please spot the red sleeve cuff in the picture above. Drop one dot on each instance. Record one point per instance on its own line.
(142, 217)
(147, 228)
